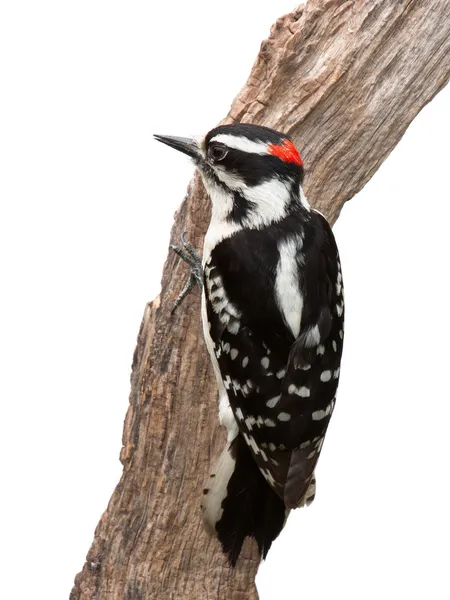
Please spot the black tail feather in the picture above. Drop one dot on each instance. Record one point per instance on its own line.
(250, 508)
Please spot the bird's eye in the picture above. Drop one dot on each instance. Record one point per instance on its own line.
(217, 153)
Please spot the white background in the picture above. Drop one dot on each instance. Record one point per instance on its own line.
(87, 200)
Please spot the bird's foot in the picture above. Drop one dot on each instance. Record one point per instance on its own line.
(188, 253)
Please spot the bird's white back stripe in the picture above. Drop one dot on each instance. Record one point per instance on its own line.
(288, 295)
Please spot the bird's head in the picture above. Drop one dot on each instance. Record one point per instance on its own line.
(253, 174)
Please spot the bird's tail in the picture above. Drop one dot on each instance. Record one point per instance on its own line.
(238, 502)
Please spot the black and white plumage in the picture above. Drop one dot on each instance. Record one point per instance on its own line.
(273, 316)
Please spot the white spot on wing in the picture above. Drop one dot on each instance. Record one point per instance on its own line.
(317, 415)
(312, 337)
(233, 327)
(304, 367)
(273, 401)
(232, 310)
(250, 421)
(283, 416)
(303, 391)
(251, 443)
(265, 362)
(268, 477)
(325, 376)
(217, 295)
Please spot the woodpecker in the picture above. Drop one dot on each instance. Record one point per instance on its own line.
(273, 322)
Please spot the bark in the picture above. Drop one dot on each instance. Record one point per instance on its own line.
(345, 79)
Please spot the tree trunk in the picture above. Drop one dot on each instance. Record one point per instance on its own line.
(344, 79)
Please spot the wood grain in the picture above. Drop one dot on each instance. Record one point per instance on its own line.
(345, 79)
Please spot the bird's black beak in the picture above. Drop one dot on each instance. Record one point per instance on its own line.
(186, 145)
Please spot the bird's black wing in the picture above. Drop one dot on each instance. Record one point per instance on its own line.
(281, 389)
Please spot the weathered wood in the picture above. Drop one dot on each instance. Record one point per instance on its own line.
(345, 79)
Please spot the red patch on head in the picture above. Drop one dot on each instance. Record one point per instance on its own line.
(287, 152)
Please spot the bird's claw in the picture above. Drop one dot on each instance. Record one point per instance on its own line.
(188, 253)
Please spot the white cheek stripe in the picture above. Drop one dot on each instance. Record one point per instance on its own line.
(241, 143)
(271, 199)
